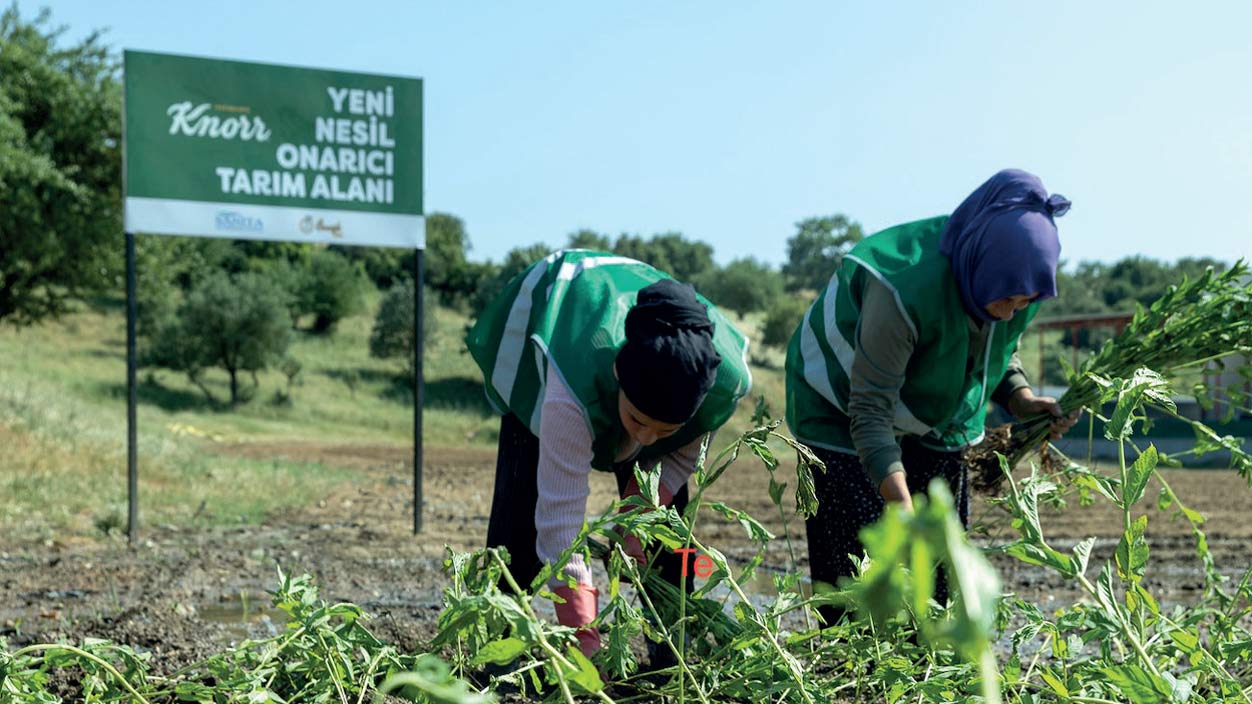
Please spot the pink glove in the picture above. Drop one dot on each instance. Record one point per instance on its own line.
(632, 545)
(580, 608)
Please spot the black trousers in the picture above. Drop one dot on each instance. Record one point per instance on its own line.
(512, 522)
(848, 501)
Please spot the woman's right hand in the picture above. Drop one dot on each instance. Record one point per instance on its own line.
(579, 610)
(894, 490)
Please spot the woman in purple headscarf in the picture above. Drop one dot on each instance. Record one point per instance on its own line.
(889, 374)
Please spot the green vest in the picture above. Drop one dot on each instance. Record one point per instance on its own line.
(569, 310)
(939, 402)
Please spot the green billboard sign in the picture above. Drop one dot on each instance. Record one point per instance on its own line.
(256, 151)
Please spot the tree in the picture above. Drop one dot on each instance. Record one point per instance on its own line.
(238, 323)
(816, 250)
(1193, 267)
(166, 268)
(495, 279)
(1078, 293)
(743, 286)
(325, 283)
(670, 252)
(462, 286)
(394, 327)
(636, 247)
(330, 289)
(383, 266)
(1094, 287)
(60, 168)
(589, 239)
(446, 267)
(782, 318)
(685, 260)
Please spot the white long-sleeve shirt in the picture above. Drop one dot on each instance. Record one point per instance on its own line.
(565, 454)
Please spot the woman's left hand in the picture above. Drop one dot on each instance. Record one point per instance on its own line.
(631, 543)
(1024, 404)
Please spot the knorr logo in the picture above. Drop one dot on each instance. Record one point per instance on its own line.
(203, 120)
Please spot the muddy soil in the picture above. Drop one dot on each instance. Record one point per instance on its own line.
(185, 594)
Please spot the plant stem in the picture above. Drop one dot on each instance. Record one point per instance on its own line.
(270, 655)
(543, 641)
(925, 677)
(1073, 698)
(873, 631)
(1241, 589)
(1090, 437)
(773, 640)
(1206, 360)
(86, 655)
(365, 681)
(791, 550)
(1034, 661)
(635, 579)
(730, 580)
(1130, 634)
(333, 665)
(1121, 458)
(1220, 665)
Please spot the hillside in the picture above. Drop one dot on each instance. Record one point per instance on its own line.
(63, 424)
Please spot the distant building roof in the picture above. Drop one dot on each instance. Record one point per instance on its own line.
(1086, 320)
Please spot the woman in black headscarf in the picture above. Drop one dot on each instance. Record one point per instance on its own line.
(597, 362)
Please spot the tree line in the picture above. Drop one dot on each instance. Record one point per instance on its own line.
(235, 305)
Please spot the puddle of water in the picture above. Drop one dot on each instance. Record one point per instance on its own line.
(762, 584)
(245, 615)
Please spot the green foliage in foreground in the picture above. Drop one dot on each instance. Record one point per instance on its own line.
(1119, 644)
(732, 646)
(325, 654)
(1197, 322)
(893, 642)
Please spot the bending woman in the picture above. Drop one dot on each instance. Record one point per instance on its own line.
(597, 362)
(889, 374)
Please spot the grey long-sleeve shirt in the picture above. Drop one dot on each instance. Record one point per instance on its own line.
(884, 344)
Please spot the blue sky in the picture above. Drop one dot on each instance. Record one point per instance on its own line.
(730, 121)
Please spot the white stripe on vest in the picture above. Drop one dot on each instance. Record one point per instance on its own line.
(815, 372)
(513, 338)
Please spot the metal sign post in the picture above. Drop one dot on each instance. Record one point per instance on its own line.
(419, 326)
(132, 430)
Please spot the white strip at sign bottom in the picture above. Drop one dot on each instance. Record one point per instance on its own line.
(159, 216)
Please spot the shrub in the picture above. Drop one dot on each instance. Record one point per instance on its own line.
(393, 333)
(782, 319)
(238, 323)
(330, 290)
(743, 286)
